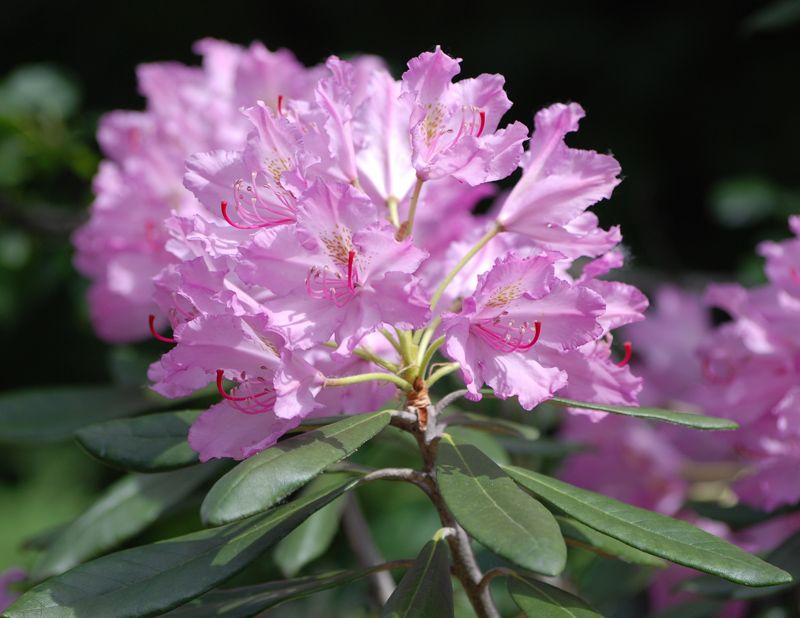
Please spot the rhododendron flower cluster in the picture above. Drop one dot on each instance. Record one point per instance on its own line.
(746, 369)
(308, 234)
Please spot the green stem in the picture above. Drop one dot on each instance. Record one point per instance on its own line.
(367, 355)
(426, 336)
(405, 230)
(423, 364)
(369, 377)
(392, 340)
(498, 227)
(442, 372)
(407, 346)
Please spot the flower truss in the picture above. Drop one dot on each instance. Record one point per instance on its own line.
(309, 237)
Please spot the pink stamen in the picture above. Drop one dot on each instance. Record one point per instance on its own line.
(628, 351)
(280, 105)
(483, 124)
(220, 375)
(156, 335)
(350, 278)
(507, 340)
(224, 206)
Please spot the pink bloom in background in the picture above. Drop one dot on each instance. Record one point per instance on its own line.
(6, 579)
(293, 226)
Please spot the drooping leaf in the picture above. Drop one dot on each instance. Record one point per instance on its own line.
(126, 508)
(539, 600)
(312, 538)
(152, 579)
(485, 442)
(261, 481)
(581, 535)
(786, 556)
(492, 424)
(696, 421)
(152, 443)
(252, 600)
(495, 512)
(426, 590)
(672, 539)
(36, 415)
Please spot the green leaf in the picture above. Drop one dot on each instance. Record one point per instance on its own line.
(40, 414)
(786, 556)
(541, 447)
(261, 481)
(312, 538)
(126, 508)
(675, 540)
(152, 443)
(495, 512)
(539, 600)
(252, 600)
(152, 579)
(581, 535)
(697, 421)
(491, 424)
(426, 590)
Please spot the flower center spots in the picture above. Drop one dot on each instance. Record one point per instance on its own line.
(473, 121)
(508, 337)
(333, 284)
(505, 296)
(254, 209)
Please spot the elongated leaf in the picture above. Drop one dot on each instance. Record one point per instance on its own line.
(35, 415)
(126, 508)
(541, 447)
(495, 512)
(152, 579)
(426, 590)
(786, 556)
(152, 443)
(675, 540)
(494, 425)
(250, 601)
(261, 481)
(539, 600)
(581, 535)
(313, 537)
(697, 421)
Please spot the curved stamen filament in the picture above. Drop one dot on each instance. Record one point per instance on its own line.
(483, 124)
(322, 283)
(280, 105)
(251, 398)
(506, 338)
(156, 335)
(628, 351)
(260, 213)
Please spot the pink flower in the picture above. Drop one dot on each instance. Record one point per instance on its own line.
(548, 203)
(520, 305)
(454, 126)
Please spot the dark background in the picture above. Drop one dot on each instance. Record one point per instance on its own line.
(687, 95)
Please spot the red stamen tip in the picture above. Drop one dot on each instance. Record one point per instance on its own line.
(224, 206)
(537, 325)
(483, 124)
(350, 258)
(280, 105)
(628, 351)
(156, 335)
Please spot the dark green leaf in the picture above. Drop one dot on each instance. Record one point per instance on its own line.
(541, 447)
(539, 600)
(55, 413)
(126, 508)
(426, 590)
(152, 443)
(495, 512)
(670, 416)
(312, 538)
(675, 540)
(581, 535)
(494, 425)
(250, 601)
(786, 556)
(152, 579)
(261, 481)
